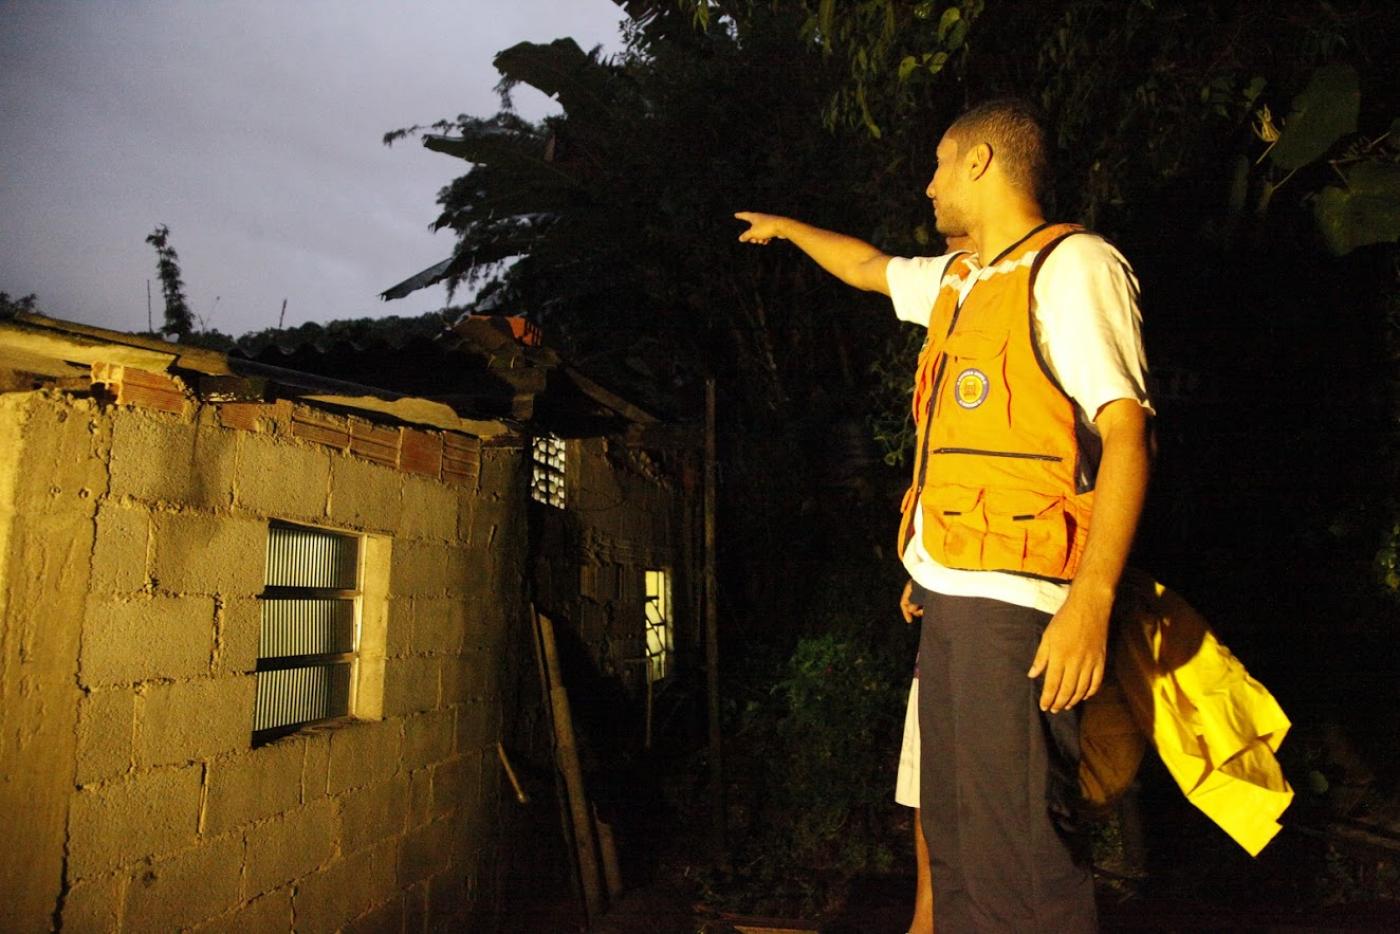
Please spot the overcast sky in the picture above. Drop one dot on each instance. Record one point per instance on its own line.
(252, 128)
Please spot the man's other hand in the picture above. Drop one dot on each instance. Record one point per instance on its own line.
(907, 608)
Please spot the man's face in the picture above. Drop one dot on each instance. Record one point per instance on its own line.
(946, 190)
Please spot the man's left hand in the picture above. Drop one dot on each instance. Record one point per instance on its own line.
(1072, 653)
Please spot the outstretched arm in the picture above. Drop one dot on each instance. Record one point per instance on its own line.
(1073, 649)
(853, 261)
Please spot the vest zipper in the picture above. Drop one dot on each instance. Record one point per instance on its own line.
(1017, 454)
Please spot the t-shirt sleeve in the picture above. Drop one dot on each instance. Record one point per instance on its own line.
(1088, 324)
(914, 283)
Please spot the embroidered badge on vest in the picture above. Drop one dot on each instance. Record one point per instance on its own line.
(971, 388)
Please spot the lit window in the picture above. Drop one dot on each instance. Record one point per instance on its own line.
(659, 624)
(547, 477)
(307, 651)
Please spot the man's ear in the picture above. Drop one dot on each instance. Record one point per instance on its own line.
(979, 160)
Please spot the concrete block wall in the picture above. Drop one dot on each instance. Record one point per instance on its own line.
(166, 817)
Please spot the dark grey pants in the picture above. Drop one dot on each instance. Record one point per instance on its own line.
(999, 777)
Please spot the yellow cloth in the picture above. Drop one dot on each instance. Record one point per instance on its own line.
(1215, 728)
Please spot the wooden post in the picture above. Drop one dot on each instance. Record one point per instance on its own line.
(566, 753)
(712, 625)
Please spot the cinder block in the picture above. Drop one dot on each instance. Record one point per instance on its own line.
(150, 814)
(65, 454)
(424, 852)
(368, 815)
(203, 554)
(120, 550)
(410, 685)
(289, 847)
(447, 900)
(456, 785)
(420, 797)
(194, 719)
(239, 626)
(159, 459)
(315, 771)
(399, 627)
(503, 470)
(365, 495)
(428, 738)
(345, 889)
(466, 516)
(93, 907)
(420, 569)
(272, 912)
(148, 637)
(462, 677)
(106, 723)
(387, 918)
(477, 726)
(363, 753)
(438, 625)
(429, 510)
(280, 479)
(254, 785)
(186, 889)
(415, 910)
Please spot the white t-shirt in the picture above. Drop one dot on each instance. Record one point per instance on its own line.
(1089, 330)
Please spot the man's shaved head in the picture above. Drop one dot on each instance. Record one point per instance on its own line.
(1013, 129)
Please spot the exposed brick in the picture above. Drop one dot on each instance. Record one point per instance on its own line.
(194, 719)
(119, 553)
(94, 907)
(272, 912)
(285, 849)
(364, 495)
(420, 452)
(373, 442)
(199, 554)
(280, 479)
(106, 720)
(438, 625)
(427, 738)
(186, 889)
(325, 428)
(429, 509)
(368, 815)
(118, 823)
(456, 785)
(161, 460)
(410, 685)
(254, 785)
(363, 753)
(424, 852)
(149, 637)
(346, 888)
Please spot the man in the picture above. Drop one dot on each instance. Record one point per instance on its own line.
(1029, 477)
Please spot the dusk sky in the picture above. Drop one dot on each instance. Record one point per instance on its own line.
(252, 128)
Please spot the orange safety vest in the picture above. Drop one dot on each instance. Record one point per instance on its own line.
(1002, 472)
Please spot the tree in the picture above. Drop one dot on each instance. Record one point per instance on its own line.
(179, 320)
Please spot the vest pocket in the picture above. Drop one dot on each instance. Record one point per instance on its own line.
(996, 530)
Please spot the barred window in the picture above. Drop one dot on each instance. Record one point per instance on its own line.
(547, 475)
(307, 651)
(659, 625)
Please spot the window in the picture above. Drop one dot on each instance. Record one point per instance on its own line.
(659, 624)
(547, 476)
(307, 651)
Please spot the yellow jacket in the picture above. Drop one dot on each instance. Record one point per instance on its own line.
(1215, 728)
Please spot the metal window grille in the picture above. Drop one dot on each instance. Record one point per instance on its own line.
(310, 629)
(547, 470)
(659, 625)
